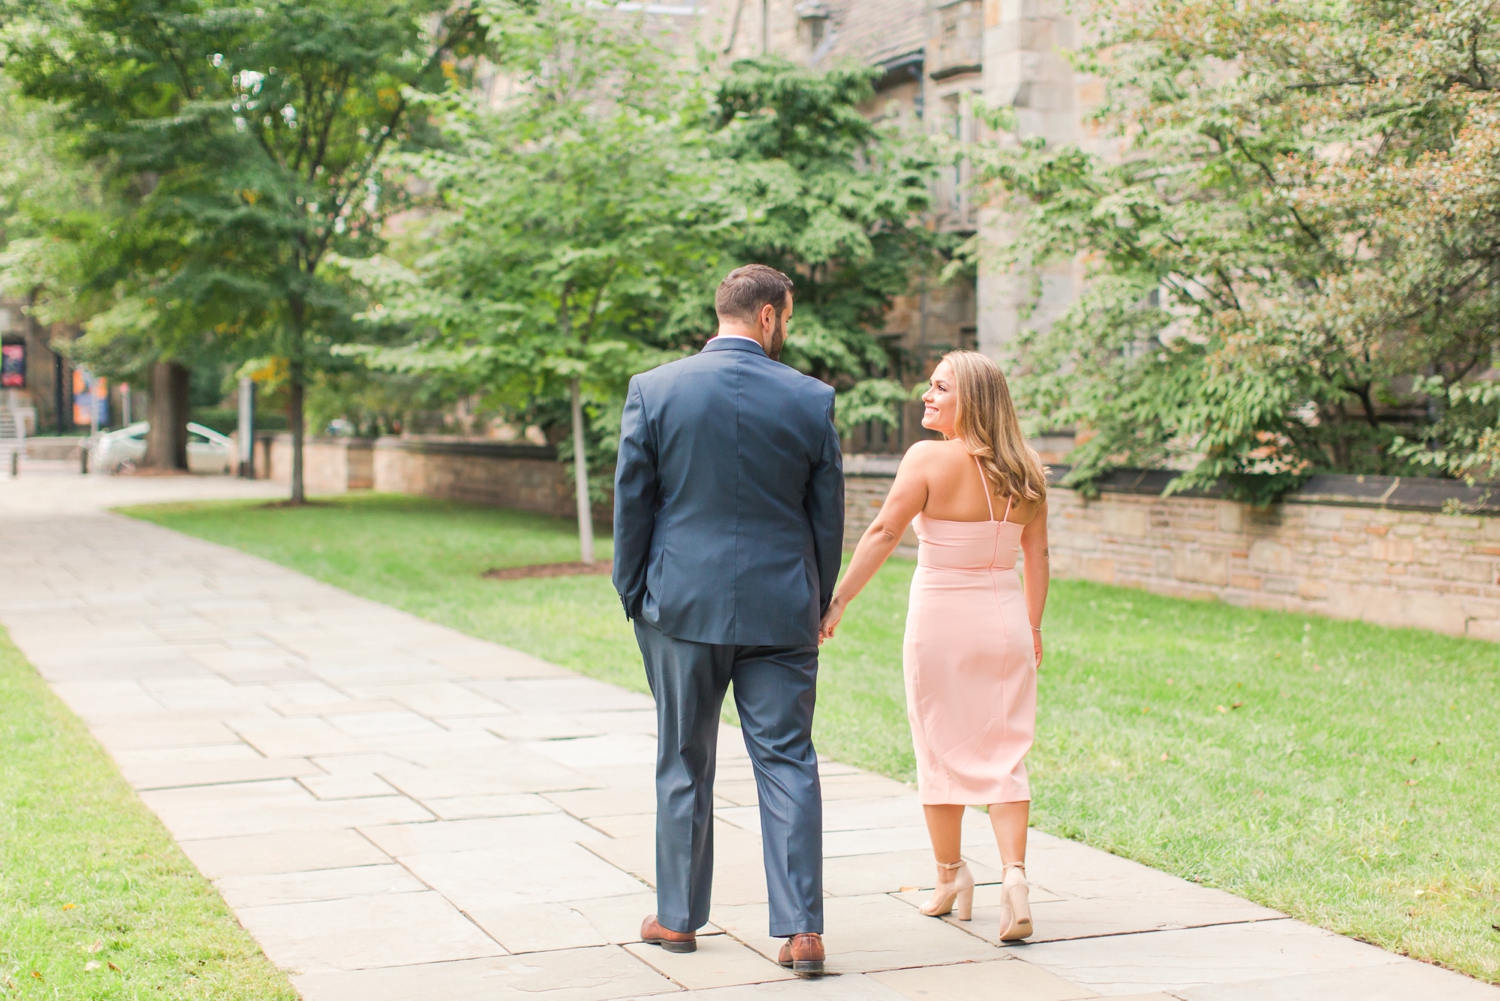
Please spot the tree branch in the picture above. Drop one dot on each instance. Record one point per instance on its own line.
(609, 276)
(463, 26)
(340, 92)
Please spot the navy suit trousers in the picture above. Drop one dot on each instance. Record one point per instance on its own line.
(774, 690)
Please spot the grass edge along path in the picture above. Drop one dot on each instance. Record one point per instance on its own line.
(1337, 771)
(96, 900)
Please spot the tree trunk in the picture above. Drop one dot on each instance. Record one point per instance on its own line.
(581, 478)
(166, 442)
(59, 392)
(294, 425)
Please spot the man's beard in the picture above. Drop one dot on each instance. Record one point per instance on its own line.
(778, 340)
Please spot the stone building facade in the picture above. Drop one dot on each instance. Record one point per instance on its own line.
(48, 374)
(938, 58)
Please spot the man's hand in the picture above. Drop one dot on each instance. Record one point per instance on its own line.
(831, 619)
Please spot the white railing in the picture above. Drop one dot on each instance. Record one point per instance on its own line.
(12, 438)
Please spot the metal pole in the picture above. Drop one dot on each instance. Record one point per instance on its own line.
(124, 404)
(58, 389)
(91, 393)
(246, 430)
(13, 414)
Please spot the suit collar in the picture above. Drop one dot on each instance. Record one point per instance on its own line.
(735, 344)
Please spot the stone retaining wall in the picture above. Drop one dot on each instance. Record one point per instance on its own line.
(1382, 549)
(501, 474)
(867, 479)
(504, 474)
(1379, 549)
(54, 448)
(329, 465)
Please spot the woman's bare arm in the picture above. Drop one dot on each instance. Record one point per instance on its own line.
(1037, 574)
(907, 498)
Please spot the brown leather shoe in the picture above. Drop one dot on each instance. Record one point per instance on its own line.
(652, 933)
(803, 954)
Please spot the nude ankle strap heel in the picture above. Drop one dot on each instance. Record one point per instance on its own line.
(1015, 910)
(957, 898)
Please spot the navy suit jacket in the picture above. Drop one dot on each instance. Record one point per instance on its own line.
(729, 499)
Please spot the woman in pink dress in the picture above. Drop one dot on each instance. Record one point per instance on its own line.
(973, 630)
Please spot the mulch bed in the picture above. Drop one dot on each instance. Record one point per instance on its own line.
(151, 471)
(601, 567)
(287, 505)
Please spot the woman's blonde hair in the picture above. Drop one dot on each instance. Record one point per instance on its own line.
(988, 426)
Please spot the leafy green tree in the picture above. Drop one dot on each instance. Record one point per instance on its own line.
(67, 239)
(248, 144)
(834, 200)
(1292, 260)
(35, 182)
(28, 165)
(571, 229)
(133, 88)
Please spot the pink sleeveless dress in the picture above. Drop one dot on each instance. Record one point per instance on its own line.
(969, 663)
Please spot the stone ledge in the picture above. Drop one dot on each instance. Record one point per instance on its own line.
(1391, 493)
(53, 447)
(875, 466)
(285, 437)
(435, 445)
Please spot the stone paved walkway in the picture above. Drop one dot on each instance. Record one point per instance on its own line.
(398, 811)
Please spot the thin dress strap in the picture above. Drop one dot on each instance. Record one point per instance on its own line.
(986, 484)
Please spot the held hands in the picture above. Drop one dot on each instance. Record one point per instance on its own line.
(831, 619)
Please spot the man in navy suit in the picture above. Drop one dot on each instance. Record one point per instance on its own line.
(729, 528)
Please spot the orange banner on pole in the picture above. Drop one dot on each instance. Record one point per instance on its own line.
(90, 391)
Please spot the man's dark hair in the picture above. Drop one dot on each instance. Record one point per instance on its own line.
(745, 290)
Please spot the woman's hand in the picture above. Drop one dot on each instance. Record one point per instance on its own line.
(1036, 645)
(831, 619)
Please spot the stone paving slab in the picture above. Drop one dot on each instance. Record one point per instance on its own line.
(1060, 918)
(894, 872)
(1173, 961)
(365, 932)
(721, 961)
(286, 852)
(321, 884)
(855, 987)
(982, 982)
(1386, 982)
(396, 810)
(867, 933)
(596, 974)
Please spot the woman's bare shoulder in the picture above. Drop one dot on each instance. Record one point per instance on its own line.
(934, 450)
(916, 456)
(939, 464)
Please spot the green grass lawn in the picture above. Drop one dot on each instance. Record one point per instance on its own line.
(1346, 774)
(96, 900)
